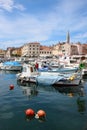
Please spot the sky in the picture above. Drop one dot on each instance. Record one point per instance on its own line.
(44, 21)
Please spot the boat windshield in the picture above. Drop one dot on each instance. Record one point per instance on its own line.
(24, 69)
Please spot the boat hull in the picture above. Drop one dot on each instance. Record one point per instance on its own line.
(65, 83)
(11, 68)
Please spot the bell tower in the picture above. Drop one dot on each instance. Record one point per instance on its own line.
(68, 37)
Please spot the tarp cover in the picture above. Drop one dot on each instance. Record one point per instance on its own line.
(48, 80)
(12, 63)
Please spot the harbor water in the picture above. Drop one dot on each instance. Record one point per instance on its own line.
(65, 107)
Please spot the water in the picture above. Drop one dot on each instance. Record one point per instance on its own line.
(66, 108)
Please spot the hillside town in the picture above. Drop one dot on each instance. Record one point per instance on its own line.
(35, 49)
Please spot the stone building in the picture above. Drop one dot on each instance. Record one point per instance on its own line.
(16, 52)
(45, 51)
(31, 49)
(2, 53)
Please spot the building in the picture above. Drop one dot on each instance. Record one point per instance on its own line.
(67, 48)
(45, 51)
(73, 49)
(31, 49)
(8, 53)
(16, 52)
(2, 53)
(84, 49)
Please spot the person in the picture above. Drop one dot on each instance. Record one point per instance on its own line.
(36, 66)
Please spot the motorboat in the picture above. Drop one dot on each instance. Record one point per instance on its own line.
(30, 74)
(11, 66)
(60, 79)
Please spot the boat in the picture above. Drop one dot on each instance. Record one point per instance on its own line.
(11, 66)
(60, 69)
(28, 74)
(60, 79)
(31, 75)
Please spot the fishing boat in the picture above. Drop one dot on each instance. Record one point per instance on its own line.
(59, 68)
(11, 66)
(30, 74)
(58, 79)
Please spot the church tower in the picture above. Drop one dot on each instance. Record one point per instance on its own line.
(68, 38)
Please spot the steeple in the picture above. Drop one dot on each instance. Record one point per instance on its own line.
(68, 37)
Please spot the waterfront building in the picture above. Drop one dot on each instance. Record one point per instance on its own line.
(56, 50)
(73, 49)
(79, 48)
(45, 51)
(2, 53)
(16, 52)
(31, 49)
(84, 49)
(67, 48)
(34, 49)
(9, 52)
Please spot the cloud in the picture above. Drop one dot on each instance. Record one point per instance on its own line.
(9, 5)
(12, 43)
(80, 36)
(24, 27)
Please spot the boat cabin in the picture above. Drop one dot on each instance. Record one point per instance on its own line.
(28, 70)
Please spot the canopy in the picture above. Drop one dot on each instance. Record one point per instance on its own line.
(12, 63)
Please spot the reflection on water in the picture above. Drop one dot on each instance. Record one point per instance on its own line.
(81, 105)
(9, 72)
(71, 91)
(75, 91)
(29, 118)
(31, 90)
(66, 107)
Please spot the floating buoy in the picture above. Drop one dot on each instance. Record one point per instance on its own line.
(30, 112)
(11, 87)
(72, 78)
(40, 114)
(70, 94)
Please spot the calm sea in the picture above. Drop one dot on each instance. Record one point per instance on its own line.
(66, 108)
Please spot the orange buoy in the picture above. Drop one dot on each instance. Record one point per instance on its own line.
(11, 87)
(41, 113)
(30, 112)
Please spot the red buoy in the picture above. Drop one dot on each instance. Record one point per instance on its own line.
(41, 113)
(30, 112)
(11, 87)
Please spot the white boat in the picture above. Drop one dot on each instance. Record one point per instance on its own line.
(60, 79)
(29, 74)
(61, 68)
(11, 66)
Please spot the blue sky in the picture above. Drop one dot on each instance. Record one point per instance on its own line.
(47, 22)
